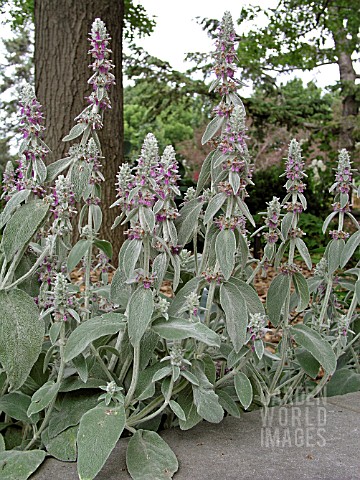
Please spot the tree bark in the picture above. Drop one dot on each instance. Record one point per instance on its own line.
(61, 74)
(350, 103)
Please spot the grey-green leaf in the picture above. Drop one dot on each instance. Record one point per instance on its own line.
(207, 404)
(99, 431)
(149, 457)
(43, 397)
(16, 465)
(179, 329)
(87, 332)
(22, 226)
(252, 299)
(304, 252)
(307, 362)
(212, 128)
(188, 219)
(278, 291)
(225, 248)
(12, 204)
(236, 314)
(214, 206)
(140, 310)
(315, 344)
(333, 254)
(179, 412)
(21, 335)
(243, 389)
(63, 446)
(75, 132)
(78, 251)
(302, 289)
(349, 248)
(54, 169)
(129, 255)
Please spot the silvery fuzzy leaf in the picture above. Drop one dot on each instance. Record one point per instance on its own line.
(204, 173)
(236, 100)
(159, 267)
(43, 397)
(54, 169)
(259, 348)
(22, 226)
(158, 206)
(94, 328)
(78, 252)
(175, 262)
(147, 219)
(236, 314)
(243, 389)
(177, 303)
(328, 220)
(186, 402)
(40, 169)
(15, 405)
(245, 210)
(119, 291)
(253, 302)
(220, 158)
(303, 201)
(307, 362)
(212, 129)
(62, 447)
(235, 357)
(12, 204)
(188, 220)
(129, 255)
(214, 84)
(228, 403)
(99, 432)
(180, 328)
(179, 412)
(350, 246)
(243, 251)
(21, 335)
(96, 217)
(20, 465)
(148, 457)
(80, 177)
(279, 255)
(302, 290)
(71, 409)
(277, 294)
(75, 132)
(225, 248)
(162, 373)
(81, 366)
(207, 404)
(286, 225)
(315, 344)
(344, 199)
(333, 254)
(214, 206)
(140, 310)
(104, 246)
(234, 181)
(304, 252)
(95, 136)
(172, 231)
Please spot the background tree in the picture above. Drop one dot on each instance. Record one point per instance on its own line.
(303, 35)
(61, 73)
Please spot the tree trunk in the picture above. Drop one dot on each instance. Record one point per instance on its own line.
(61, 74)
(350, 103)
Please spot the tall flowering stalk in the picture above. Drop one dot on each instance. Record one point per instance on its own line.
(85, 158)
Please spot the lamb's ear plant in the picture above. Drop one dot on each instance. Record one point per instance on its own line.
(179, 334)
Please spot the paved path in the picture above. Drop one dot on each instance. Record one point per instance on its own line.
(319, 440)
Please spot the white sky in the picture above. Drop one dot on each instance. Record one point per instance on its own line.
(178, 33)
